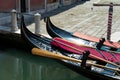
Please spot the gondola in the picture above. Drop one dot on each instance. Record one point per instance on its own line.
(81, 39)
(42, 44)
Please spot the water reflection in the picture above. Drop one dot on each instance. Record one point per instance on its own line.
(21, 65)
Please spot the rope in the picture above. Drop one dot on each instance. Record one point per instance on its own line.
(102, 54)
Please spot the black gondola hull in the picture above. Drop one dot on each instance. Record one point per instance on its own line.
(43, 42)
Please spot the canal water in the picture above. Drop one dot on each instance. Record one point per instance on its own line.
(20, 64)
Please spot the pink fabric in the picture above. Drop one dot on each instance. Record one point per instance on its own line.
(77, 49)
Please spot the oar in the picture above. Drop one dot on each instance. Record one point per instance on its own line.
(83, 51)
(40, 52)
(102, 49)
(90, 54)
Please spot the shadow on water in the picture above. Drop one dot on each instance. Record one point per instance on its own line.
(19, 64)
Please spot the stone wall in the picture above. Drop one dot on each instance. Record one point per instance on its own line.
(37, 4)
(7, 5)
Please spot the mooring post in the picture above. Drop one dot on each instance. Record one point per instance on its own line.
(109, 22)
(14, 27)
(84, 58)
(100, 43)
(37, 23)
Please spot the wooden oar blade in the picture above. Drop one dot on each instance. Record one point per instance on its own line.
(45, 53)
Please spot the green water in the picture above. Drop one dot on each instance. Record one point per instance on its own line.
(16, 64)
